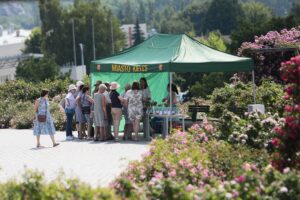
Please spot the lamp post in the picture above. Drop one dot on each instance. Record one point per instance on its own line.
(81, 50)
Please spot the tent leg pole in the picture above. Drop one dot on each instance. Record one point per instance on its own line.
(171, 100)
(254, 87)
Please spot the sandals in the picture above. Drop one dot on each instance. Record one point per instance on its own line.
(55, 145)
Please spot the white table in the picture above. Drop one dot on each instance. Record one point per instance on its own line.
(166, 118)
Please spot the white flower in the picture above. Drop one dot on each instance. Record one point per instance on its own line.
(286, 170)
(243, 141)
(228, 195)
(283, 190)
(221, 188)
(233, 182)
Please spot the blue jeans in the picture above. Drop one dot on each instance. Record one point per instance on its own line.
(69, 124)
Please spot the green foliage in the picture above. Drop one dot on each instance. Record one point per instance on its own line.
(240, 96)
(169, 21)
(34, 42)
(207, 84)
(36, 70)
(7, 112)
(222, 15)
(215, 41)
(254, 20)
(17, 99)
(59, 117)
(57, 30)
(137, 34)
(23, 115)
(34, 187)
(21, 90)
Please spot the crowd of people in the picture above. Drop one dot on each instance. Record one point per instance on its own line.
(95, 112)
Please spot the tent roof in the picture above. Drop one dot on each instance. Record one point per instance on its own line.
(172, 53)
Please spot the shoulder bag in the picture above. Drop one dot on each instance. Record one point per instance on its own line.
(86, 110)
(42, 118)
(68, 109)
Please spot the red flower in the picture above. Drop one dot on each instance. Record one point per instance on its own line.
(288, 108)
(289, 90)
(240, 179)
(289, 119)
(286, 97)
(278, 130)
(275, 142)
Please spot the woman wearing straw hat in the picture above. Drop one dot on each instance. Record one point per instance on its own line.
(116, 107)
(70, 105)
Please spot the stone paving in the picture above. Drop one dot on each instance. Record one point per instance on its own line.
(94, 163)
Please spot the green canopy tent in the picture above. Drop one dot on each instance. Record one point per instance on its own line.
(162, 54)
(159, 56)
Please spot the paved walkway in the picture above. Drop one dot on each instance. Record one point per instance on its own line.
(95, 163)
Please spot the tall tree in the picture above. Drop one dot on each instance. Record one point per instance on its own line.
(129, 13)
(295, 11)
(61, 45)
(142, 12)
(254, 20)
(34, 42)
(51, 14)
(137, 33)
(222, 15)
(196, 12)
(35, 70)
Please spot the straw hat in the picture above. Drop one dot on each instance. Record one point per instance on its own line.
(102, 86)
(79, 83)
(114, 86)
(71, 87)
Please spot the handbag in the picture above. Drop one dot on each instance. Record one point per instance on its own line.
(86, 110)
(42, 118)
(69, 110)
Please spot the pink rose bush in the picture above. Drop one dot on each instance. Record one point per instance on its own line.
(181, 167)
(184, 164)
(287, 142)
(268, 63)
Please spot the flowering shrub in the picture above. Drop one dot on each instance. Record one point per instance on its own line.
(33, 186)
(7, 112)
(254, 183)
(287, 142)
(21, 90)
(255, 130)
(20, 115)
(24, 116)
(182, 163)
(59, 118)
(230, 98)
(267, 64)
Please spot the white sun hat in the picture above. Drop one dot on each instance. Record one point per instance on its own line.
(71, 87)
(79, 83)
(114, 86)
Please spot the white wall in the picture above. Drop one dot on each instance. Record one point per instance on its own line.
(7, 74)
